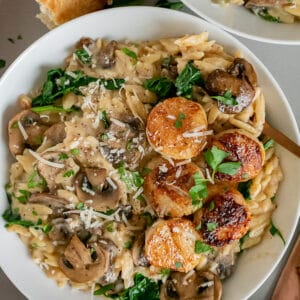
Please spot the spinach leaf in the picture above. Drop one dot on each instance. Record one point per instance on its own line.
(161, 86)
(2, 63)
(11, 215)
(201, 247)
(199, 190)
(269, 144)
(143, 289)
(243, 239)
(189, 76)
(275, 231)
(60, 83)
(83, 56)
(172, 5)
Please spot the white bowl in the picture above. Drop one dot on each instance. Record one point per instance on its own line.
(140, 23)
(241, 21)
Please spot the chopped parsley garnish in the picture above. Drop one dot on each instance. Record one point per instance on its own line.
(69, 173)
(269, 144)
(172, 5)
(275, 231)
(273, 198)
(128, 145)
(199, 226)
(133, 180)
(214, 158)
(47, 228)
(104, 289)
(35, 180)
(24, 196)
(19, 37)
(83, 56)
(243, 239)
(74, 151)
(128, 245)
(178, 122)
(104, 119)
(15, 125)
(104, 137)
(149, 218)
(165, 272)
(244, 189)
(34, 212)
(63, 156)
(201, 247)
(199, 190)
(211, 205)
(161, 86)
(2, 63)
(178, 264)
(34, 245)
(60, 83)
(211, 226)
(80, 206)
(189, 76)
(226, 99)
(130, 53)
(110, 227)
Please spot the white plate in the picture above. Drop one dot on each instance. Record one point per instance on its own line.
(241, 21)
(140, 23)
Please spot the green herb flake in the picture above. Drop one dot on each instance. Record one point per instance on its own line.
(104, 289)
(178, 122)
(211, 205)
(178, 264)
(199, 226)
(19, 37)
(201, 247)
(104, 119)
(128, 145)
(244, 189)
(36, 181)
(211, 226)
(199, 190)
(80, 206)
(229, 168)
(83, 56)
(273, 198)
(189, 77)
(149, 218)
(11, 40)
(161, 86)
(128, 245)
(264, 14)
(34, 212)
(269, 144)
(275, 231)
(110, 227)
(130, 53)
(69, 173)
(74, 151)
(24, 196)
(63, 156)
(47, 228)
(165, 272)
(171, 5)
(226, 99)
(104, 137)
(34, 245)
(145, 171)
(2, 63)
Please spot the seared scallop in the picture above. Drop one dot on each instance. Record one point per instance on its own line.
(244, 148)
(170, 244)
(167, 188)
(177, 128)
(223, 218)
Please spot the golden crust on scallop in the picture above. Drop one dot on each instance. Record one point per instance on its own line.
(170, 244)
(244, 148)
(167, 188)
(175, 128)
(224, 217)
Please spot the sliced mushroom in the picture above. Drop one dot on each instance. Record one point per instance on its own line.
(193, 285)
(96, 191)
(239, 80)
(138, 252)
(56, 133)
(55, 203)
(77, 262)
(29, 134)
(106, 56)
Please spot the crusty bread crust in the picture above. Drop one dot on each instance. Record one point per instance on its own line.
(56, 12)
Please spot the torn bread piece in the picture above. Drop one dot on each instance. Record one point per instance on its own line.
(56, 12)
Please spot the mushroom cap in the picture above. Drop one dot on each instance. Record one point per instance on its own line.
(30, 122)
(138, 252)
(103, 195)
(191, 286)
(77, 263)
(56, 133)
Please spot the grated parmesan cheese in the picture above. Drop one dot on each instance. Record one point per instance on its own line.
(22, 130)
(188, 134)
(46, 162)
(117, 122)
(138, 193)
(111, 183)
(184, 162)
